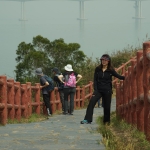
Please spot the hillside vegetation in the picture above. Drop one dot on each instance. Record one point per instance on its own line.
(42, 52)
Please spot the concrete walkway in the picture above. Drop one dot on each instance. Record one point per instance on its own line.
(60, 132)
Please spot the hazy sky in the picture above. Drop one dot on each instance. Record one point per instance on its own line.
(109, 26)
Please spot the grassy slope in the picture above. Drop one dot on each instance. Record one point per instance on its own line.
(121, 136)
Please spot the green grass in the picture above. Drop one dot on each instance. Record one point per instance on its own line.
(122, 136)
(33, 118)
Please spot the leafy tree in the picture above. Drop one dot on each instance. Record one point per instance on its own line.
(45, 54)
(61, 54)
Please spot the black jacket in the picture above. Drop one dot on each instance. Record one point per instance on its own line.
(59, 84)
(103, 80)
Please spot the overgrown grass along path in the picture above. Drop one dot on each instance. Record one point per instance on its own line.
(122, 136)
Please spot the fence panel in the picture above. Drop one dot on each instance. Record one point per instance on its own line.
(22, 100)
(134, 107)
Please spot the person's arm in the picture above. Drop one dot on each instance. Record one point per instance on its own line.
(45, 83)
(79, 78)
(115, 74)
(60, 77)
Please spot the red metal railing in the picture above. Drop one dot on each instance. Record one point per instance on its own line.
(21, 100)
(133, 94)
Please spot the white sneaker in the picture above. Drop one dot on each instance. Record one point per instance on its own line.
(48, 112)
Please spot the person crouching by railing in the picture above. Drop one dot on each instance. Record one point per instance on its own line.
(102, 88)
(46, 87)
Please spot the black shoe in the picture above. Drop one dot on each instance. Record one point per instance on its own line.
(85, 122)
(65, 113)
(71, 113)
(107, 123)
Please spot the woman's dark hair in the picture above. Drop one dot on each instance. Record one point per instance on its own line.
(109, 67)
(69, 72)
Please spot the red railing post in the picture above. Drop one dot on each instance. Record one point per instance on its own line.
(117, 98)
(140, 94)
(37, 98)
(122, 91)
(121, 98)
(78, 96)
(75, 99)
(123, 69)
(10, 100)
(3, 100)
(82, 96)
(24, 111)
(57, 100)
(134, 93)
(146, 86)
(29, 98)
(129, 116)
(17, 101)
(52, 101)
(125, 96)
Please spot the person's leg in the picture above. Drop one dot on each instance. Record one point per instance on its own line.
(66, 94)
(92, 103)
(46, 99)
(61, 93)
(102, 102)
(68, 105)
(99, 103)
(106, 106)
(72, 93)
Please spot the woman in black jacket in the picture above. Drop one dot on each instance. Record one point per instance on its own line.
(102, 88)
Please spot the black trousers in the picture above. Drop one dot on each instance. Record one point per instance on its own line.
(61, 93)
(69, 92)
(106, 96)
(46, 99)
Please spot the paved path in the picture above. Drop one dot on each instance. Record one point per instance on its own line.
(60, 132)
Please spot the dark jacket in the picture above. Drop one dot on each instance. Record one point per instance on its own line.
(103, 80)
(59, 84)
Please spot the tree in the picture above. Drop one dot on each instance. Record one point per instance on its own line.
(61, 54)
(45, 54)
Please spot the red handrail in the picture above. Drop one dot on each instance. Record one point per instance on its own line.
(21, 100)
(133, 94)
